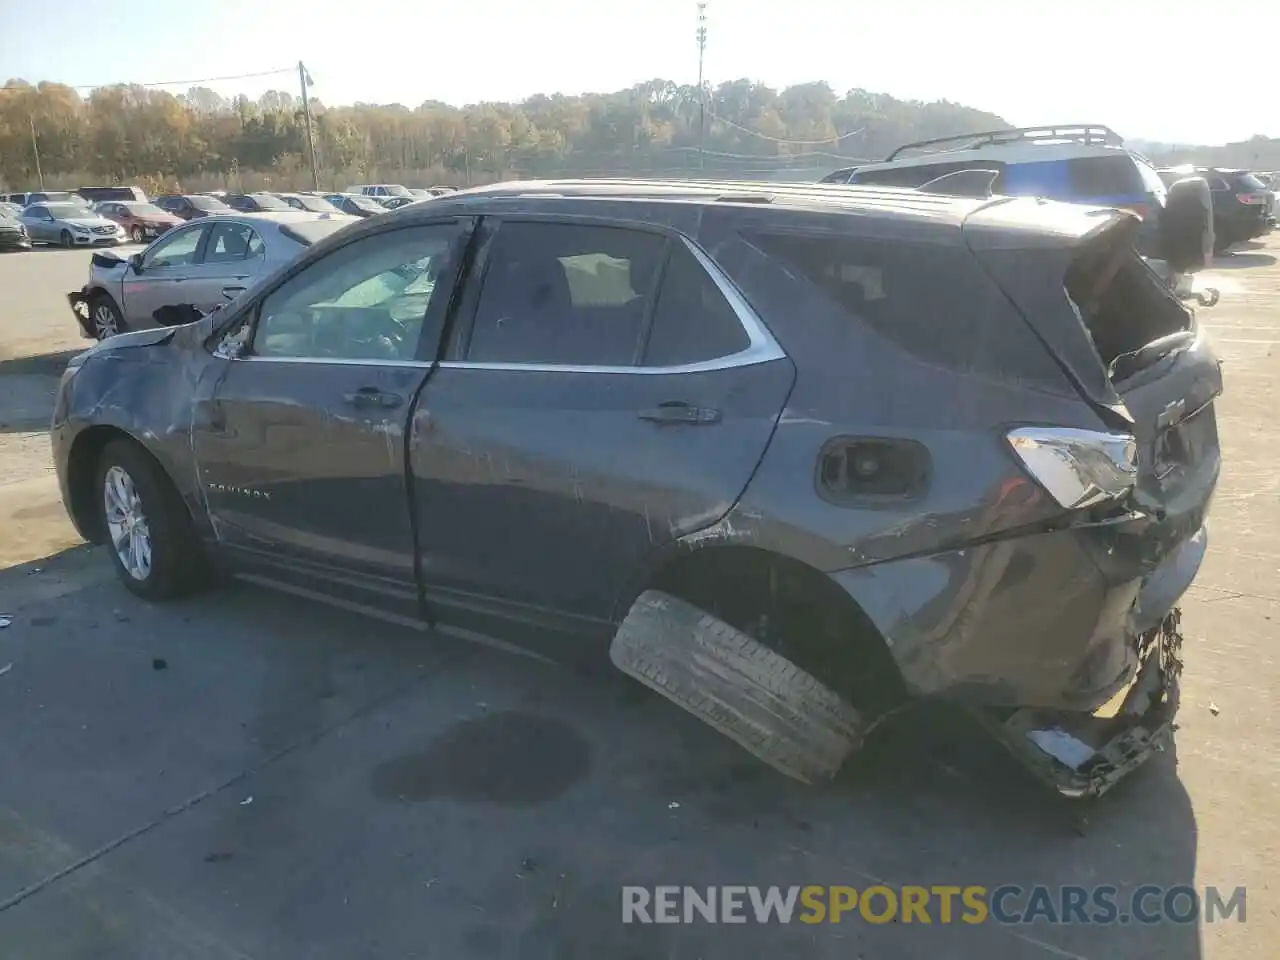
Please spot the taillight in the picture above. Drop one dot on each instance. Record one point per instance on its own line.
(1078, 467)
(1252, 199)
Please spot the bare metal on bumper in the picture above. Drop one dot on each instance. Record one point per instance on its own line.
(1083, 755)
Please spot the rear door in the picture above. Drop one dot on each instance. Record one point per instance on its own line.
(233, 254)
(607, 390)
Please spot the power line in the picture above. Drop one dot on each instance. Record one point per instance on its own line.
(157, 83)
(794, 143)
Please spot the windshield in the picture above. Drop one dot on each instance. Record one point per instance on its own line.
(208, 203)
(266, 201)
(1248, 181)
(307, 232)
(317, 205)
(144, 210)
(61, 210)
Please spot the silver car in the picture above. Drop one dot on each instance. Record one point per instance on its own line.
(71, 225)
(202, 265)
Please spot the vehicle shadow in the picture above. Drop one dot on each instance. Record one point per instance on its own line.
(41, 364)
(27, 390)
(1239, 261)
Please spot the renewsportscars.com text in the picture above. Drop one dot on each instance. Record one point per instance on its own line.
(941, 904)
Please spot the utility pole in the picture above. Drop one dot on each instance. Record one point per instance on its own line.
(304, 78)
(702, 93)
(35, 149)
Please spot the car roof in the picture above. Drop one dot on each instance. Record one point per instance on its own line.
(270, 216)
(925, 213)
(1006, 153)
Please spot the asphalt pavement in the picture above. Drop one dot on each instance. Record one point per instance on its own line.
(242, 775)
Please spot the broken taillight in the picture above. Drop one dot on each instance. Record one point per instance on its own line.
(1078, 468)
(1251, 199)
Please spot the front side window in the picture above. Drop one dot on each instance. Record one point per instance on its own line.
(365, 301)
(177, 250)
(559, 293)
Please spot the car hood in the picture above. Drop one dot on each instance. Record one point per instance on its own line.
(87, 221)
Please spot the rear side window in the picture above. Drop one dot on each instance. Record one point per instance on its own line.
(1105, 178)
(692, 320)
(558, 293)
(932, 300)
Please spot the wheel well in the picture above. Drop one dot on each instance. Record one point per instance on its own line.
(81, 466)
(795, 610)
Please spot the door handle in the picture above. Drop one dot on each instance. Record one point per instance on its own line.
(373, 397)
(679, 412)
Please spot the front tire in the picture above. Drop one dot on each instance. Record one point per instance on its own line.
(149, 533)
(68, 241)
(105, 317)
(136, 235)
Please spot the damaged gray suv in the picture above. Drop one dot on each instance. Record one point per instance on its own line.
(788, 454)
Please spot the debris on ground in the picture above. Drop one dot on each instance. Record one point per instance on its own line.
(673, 805)
(1213, 708)
(159, 663)
(5, 669)
(246, 801)
(5, 620)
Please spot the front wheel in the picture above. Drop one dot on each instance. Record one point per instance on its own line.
(105, 317)
(136, 235)
(68, 241)
(153, 543)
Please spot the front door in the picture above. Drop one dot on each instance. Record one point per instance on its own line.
(612, 393)
(300, 440)
(160, 278)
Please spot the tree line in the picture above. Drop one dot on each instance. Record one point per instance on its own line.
(132, 134)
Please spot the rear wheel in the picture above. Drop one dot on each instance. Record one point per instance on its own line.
(68, 241)
(756, 697)
(105, 317)
(149, 532)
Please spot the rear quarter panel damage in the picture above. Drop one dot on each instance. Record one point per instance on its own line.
(981, 587)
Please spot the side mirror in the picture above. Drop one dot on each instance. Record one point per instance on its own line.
(135, 261)
(1186, 225)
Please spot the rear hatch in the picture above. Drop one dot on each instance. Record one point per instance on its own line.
(1132, 349)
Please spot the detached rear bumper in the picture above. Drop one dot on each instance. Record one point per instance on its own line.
(1085, 755)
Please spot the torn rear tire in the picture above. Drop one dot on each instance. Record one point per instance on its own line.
(763, 701)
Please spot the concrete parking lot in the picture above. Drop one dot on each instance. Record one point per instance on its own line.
(245, 776)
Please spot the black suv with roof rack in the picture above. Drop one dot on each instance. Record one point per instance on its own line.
(1242, 204)
(789, 453)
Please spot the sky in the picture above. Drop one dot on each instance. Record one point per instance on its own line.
(1150, 70)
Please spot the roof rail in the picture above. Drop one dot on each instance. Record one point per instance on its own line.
(1082, 132)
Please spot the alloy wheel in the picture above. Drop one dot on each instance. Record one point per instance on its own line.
(136, 235)
(104, 321)
(127, 523)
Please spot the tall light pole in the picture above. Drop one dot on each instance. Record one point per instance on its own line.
(35, 148)
(702, 94)
(304, 78)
